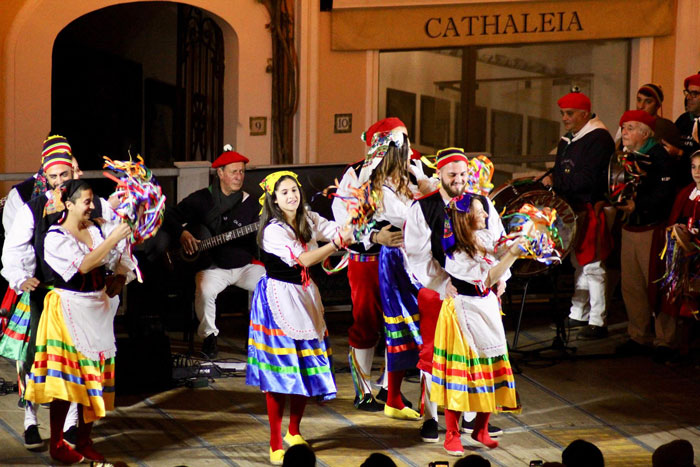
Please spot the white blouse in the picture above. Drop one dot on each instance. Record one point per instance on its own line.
(297, 308)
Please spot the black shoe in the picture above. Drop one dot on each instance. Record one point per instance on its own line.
(368, 404)
(663, 354)
(429, 431)
(468, 427)
(32, 440)
(382, 394)
(70, 436)
(630, 348)
(570, 324)
(209, 346)
(592, 332)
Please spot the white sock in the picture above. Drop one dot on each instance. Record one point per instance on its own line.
(430, 408)
(71, 417)
(364, 358)
(29, 415)
(385, 376)
(469, 416)
(29, 409)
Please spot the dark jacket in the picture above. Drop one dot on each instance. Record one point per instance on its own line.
(656, 191)
(192, 211)
(581, 166)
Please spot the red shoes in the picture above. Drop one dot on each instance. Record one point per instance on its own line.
(453, 443)
(90, 453)
(65, 454)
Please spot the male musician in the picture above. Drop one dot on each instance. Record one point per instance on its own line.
(22, 257)
(645, 213)
(579, 177)
(221, 207)
(423, 234)
(363, 277)
(687, 123)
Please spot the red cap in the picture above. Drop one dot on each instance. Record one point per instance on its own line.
(575, 100)
(692, 79)
(228, 157)
(638, 116)
(415, 154)
(382, 126)
(445, 156)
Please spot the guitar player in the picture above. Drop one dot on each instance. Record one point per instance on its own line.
(223, 206)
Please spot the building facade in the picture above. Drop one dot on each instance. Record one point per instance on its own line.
(478, 74)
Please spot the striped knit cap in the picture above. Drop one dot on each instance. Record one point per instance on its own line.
(56, 150)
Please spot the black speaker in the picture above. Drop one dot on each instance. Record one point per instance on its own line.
(143, 364)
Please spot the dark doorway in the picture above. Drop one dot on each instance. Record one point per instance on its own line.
(115, 86)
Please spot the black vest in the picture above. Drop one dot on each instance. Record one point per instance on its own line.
(278, 269)
(41, 226)
(433, 208)
(25, 189)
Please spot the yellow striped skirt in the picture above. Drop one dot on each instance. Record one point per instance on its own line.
(461, 379)
(60, 371)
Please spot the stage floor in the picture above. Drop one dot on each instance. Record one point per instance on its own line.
(626, 406)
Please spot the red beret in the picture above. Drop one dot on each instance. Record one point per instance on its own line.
(446, 156)
(575, 100)
(638, 116)
(228, 157)
(692, 79)
(382, 126)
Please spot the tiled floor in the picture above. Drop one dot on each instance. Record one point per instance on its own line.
(627, 406)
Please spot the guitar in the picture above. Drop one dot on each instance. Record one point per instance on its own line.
(198, 260)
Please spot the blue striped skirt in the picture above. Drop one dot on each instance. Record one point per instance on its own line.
(278, 363)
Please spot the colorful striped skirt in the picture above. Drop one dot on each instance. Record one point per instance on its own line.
(462, 380)
(278, 363)
(60, 371)
(400, 306)
(15, 338)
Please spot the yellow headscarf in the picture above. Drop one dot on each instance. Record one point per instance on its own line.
(268, 183)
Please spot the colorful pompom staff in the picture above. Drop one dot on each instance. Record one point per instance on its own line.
(361, 205)
(681, 255)
(141, 200)
(542, 240)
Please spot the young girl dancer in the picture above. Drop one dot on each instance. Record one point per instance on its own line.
(471, 370)
(75, 342)
(288, 347)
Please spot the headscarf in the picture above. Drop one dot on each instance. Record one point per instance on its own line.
(268, 183)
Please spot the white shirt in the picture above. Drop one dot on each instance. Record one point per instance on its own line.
(421, 262)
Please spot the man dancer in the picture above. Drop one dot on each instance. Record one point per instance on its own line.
(423, 234)
(579, 177)
(363, 277)
(221, 207)
(22, 255)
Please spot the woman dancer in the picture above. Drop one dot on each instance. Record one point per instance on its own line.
(471, 370)
(389, 181)
(288, 347)
(75, 341)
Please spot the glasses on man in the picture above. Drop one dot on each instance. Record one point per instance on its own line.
(693, 94)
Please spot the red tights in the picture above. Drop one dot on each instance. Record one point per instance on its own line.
(275, 411)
